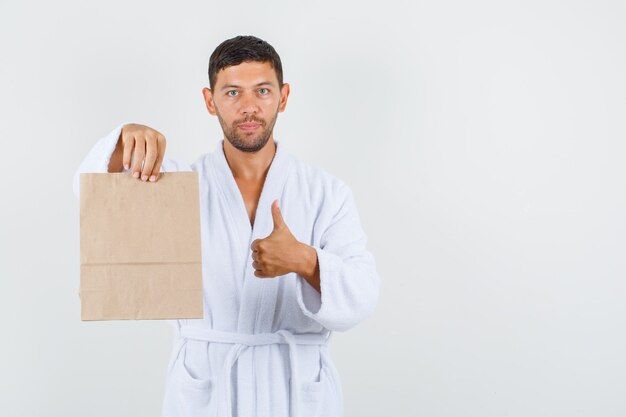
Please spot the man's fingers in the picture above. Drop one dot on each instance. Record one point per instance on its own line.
(157, 164)
(260, 274)
(144, 151)
(139, 154)
(151, 157)
(129, 145)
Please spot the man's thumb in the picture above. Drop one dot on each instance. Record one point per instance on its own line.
(277, 216)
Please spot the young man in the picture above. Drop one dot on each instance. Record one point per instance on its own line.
(283, 252)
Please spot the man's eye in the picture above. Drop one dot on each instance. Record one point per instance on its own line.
(265, 90)
(231, 91)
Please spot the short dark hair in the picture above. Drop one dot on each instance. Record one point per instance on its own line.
(243, 48)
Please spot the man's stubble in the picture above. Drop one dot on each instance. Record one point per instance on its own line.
(241, 141)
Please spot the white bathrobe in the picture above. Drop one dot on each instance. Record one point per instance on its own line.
(262, 347)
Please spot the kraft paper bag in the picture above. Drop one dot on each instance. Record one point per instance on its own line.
(140, 249)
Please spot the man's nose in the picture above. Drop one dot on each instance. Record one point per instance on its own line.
(249, 104)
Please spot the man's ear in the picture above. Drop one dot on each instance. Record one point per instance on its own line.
(284, 93)
(208, 100)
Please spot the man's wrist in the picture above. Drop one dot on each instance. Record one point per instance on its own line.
(308, 268)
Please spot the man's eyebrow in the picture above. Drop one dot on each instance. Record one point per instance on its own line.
(238, 86)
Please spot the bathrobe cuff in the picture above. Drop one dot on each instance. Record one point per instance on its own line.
(312, 303)
(98, 158)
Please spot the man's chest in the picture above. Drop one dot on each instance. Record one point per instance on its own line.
(232, 215)
(250, 192)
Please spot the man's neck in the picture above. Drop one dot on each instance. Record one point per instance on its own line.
(250, 166)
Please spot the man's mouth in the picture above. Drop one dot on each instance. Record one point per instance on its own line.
(249, 126)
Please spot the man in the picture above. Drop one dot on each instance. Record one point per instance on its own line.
(283, 253)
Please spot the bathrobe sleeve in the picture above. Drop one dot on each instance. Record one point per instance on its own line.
(349, 281)
(98, 158)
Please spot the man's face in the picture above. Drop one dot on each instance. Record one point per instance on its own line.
(246, 100)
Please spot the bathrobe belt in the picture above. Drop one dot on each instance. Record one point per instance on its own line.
(241, 341)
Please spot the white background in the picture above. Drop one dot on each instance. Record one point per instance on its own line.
(484, 143)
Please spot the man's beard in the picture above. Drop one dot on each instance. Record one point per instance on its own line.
(242, 140)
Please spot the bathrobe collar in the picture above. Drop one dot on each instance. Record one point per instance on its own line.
(252, 287)
(272, 189)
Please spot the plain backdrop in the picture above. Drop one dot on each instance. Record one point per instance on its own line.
(484, 142)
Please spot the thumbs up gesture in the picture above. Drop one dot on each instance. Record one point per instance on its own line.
(279, 253)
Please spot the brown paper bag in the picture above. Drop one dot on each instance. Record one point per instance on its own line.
(140, 250)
